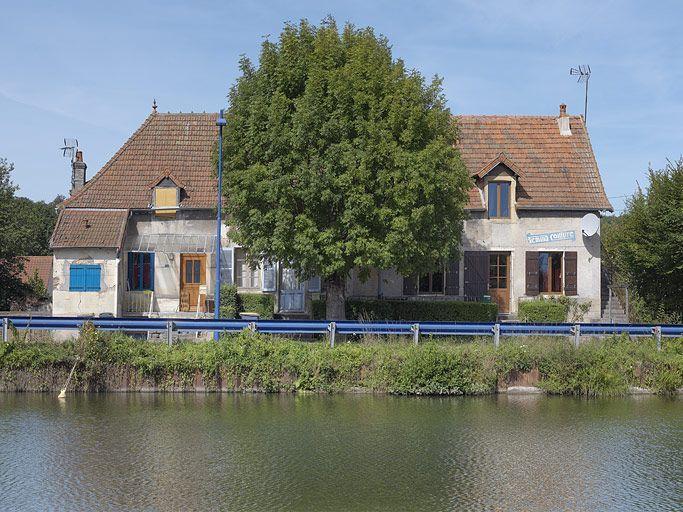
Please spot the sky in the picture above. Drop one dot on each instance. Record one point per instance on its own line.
(90, 70)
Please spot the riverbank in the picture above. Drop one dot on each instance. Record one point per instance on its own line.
(252, 362)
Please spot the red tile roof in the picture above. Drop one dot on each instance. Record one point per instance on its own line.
(40, 264)
(177, 145)
(556, 172)
(89, 228)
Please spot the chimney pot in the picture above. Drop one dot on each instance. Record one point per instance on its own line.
(563, 110)
(79, 156)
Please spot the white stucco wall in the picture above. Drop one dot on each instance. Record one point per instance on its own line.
(67, 303)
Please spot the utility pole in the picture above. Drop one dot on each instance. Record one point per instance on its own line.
(220, 122)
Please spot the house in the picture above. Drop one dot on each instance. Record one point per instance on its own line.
(139, 237)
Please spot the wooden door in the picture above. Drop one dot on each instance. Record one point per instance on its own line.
(499, 280)
(192, 277)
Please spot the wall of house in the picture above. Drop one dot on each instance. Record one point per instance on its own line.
(68, 303)
(510, 235)
(167, 264)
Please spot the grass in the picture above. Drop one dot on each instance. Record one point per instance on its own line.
(250, 361)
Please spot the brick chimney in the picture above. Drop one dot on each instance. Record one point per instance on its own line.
(563, 122)
(78, 168)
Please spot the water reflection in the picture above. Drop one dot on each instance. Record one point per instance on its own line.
(312, 452)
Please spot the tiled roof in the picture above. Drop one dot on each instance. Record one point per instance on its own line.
(166, 144)
(555, 171)
(89, 228)
(40, 264)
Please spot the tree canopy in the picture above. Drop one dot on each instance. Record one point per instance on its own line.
(339, 157)
(645, 242)
(25, 230)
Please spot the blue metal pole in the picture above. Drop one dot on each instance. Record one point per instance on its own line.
(220, 122)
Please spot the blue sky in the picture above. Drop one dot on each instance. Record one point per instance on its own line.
(91, 69)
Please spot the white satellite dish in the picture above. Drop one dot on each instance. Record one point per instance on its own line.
(590, 223)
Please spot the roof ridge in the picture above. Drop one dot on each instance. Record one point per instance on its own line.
(111, 161)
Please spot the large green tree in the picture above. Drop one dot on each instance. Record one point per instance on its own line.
(338, 157)
(11, 263)
(645, 243)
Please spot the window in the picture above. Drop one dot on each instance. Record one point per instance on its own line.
(84, 278)
(498, 271)
(550, 272)
(430, 283)
(499, 199)
(245, 276)
(166, 197)
(140, 271)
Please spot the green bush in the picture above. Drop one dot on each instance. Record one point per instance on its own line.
(418, 310)
(542, 311)
(261, 303)
(233, 303)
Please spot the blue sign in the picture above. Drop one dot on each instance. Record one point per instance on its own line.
(558, 236)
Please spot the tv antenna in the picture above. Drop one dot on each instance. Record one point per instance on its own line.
(70, 148)
(584, 74)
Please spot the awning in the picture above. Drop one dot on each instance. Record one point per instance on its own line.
(171, 243)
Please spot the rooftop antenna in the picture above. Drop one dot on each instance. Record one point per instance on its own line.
(584, 74)
(70, 148)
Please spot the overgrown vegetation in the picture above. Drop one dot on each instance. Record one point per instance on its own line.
(249, 361)
(644, 246)
(425, 311)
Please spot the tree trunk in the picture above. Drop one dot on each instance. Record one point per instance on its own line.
(336, 298)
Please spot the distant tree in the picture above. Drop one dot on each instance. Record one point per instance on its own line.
(11, 233)
(338, 157)
(645, 243)
(37, 219)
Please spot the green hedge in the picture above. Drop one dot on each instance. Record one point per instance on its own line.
(434, 310)
(542, 310)
(233, 303)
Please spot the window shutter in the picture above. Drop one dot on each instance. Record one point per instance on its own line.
(410, 285)
(226, 265)
(531, 273)
(131, 283)
(476, 274)
(570, 274)
(453, 278)
(269, 276)
(76, 278)
(314, 284)
(151, 271)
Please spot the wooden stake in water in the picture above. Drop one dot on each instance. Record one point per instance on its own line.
(62, 394)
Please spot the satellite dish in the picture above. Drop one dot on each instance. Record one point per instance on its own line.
(590, 223)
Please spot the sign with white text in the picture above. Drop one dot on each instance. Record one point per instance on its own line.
(557, 236)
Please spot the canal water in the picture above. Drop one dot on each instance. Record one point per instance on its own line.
(342, 452)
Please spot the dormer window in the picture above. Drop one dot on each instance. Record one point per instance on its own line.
(499, 199)
(166, 197)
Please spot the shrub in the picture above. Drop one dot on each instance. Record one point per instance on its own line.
(435, 311)
(261, 303)
(542, 310)
(233, 303)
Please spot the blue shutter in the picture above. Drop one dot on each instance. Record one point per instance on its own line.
(131, 277)
(314, 284)
(493, 200)
(92, 278)
(76, 278)
(151, 271)
(504, 190)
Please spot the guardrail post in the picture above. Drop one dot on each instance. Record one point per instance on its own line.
(252, 327)
(5, 330)
(657, 331)
(416, 333)
(496, 335)
(170, 326)
(577, 335)
(332, 328)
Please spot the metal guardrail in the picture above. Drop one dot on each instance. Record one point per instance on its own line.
(332, 328)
